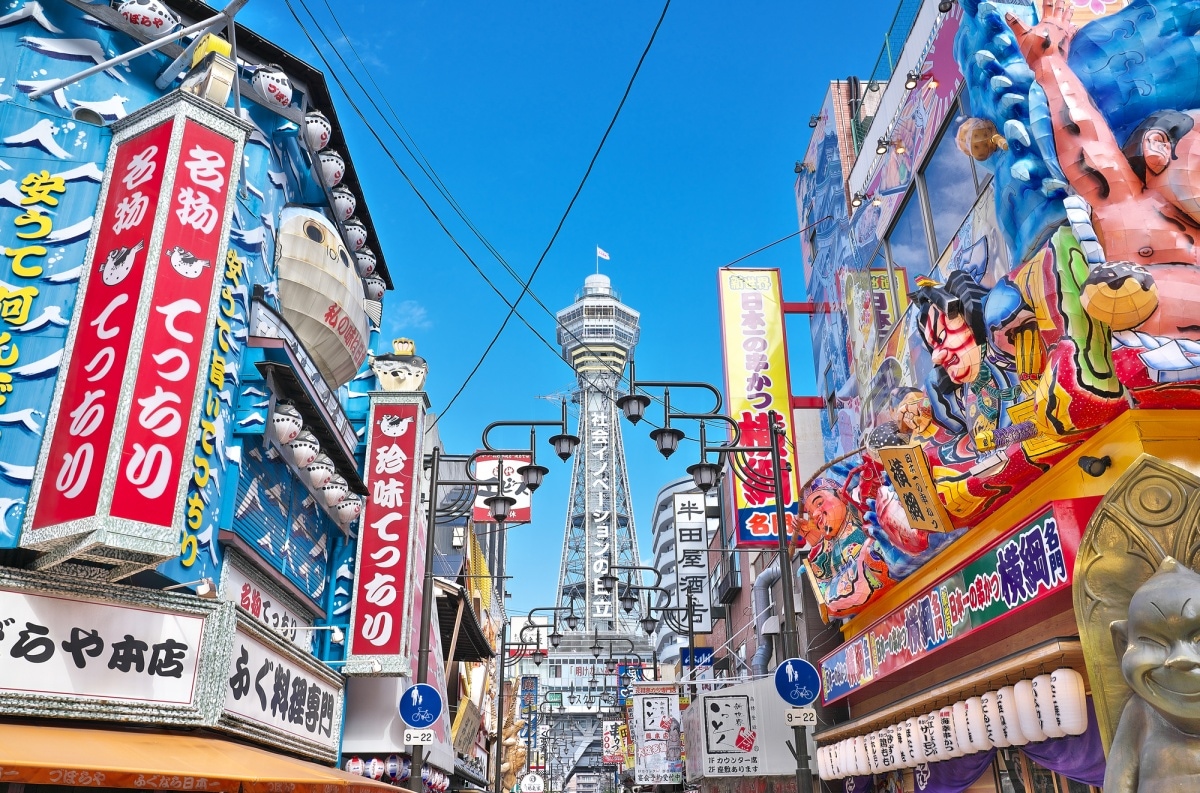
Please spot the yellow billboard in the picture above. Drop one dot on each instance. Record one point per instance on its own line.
(757, 385)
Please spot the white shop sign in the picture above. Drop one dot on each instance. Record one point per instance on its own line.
(268, 688)
(267, 608)
(85, 649)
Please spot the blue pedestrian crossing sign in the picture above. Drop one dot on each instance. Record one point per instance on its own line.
(420, 706)
(797, 682)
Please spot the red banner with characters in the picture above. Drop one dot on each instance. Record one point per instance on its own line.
(381, 596)
(95, 362)
(172, 364)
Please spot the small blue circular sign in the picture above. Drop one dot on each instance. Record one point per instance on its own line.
(797, 682)
(420, 706)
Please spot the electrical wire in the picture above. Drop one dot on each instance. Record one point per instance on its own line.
(431, 174)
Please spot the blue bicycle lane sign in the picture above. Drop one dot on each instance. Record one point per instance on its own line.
(420, 706)
(797, 682)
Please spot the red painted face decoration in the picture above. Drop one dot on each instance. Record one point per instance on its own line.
(827, 511)
(953, 346)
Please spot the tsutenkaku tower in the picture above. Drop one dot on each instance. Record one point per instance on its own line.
(597, 333)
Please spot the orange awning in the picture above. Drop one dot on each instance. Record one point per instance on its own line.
(84, 757)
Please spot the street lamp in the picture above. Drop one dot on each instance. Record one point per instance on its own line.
(499, 507)
(702, 474)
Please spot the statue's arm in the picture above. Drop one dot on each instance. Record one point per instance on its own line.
(1122, 769)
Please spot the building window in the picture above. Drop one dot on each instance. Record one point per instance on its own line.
(950, 183)
(907, 245)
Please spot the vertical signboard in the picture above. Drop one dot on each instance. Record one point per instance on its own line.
(657, 736)
(127, 400)
(756, 383)
(610, 748)
(529, 707)
(691, 553)
(381, 606)
(173, 361)
(599, 475)
(486, 467)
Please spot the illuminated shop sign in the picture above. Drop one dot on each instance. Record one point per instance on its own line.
(1030, 564)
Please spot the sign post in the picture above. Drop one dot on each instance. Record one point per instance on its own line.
(799, 685)
(533, 783)
(420, 708)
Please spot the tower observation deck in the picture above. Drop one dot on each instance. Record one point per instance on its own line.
(597, 333)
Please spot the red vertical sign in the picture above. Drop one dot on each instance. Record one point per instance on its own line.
(172, 364)
(384, 537)
(106, 308)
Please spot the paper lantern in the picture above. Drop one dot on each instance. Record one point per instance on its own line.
(822, 767)
(335, 490)
(888, 757)
(375, 768)
(150, 16)
(837, 759)
(1027, 713)
(911, 730)
(961, 731)
(927, 738)
(320, 471)
(374, 286)
(1070, 701)
(355, 766)
(344, 203)
(977, 735)
(349, 508)
(305, 448)
(1010, 725)
(1043, 700)
(333, 167)
(862, 759)
(317, 130)
(286, 422)
(393, 766)
(365, 262)
(272, 84)
(356, 234)
(948, 734)
(991, 720)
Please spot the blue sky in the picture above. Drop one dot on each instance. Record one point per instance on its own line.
(508, 101)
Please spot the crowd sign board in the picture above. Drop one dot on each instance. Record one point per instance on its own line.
(127, 404)
(1029, 564)
(657, 736)
(382, 604)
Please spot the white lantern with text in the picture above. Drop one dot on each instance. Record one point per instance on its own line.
(1070, 700)
(1010, 725)
(991, 720)
(862, 758)
(1043, 700)
(948, 734)
(977, 735)
(1027, 712)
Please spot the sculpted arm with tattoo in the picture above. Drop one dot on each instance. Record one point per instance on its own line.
(1087, 150)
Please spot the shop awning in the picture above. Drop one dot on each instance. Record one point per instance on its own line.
(465, 636)
(114, 758)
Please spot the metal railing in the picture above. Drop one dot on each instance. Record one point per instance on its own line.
(885, 65)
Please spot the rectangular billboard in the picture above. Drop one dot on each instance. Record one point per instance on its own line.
(657, 736)
(757, 384)
(486, 466)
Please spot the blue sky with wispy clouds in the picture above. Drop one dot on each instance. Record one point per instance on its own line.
(508, 101)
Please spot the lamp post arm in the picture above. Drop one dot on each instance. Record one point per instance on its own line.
(635, 384)
(657, 574)
(561, 424)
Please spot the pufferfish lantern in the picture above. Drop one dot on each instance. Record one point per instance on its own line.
(365, 262)
(320, 293)
(344, 203)
(333, 167)
(317, 130)
(978, 139)
(151, 16)
(402, 369)
(272, 84)
(356, 234)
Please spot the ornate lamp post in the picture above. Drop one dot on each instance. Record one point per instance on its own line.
(706, 475)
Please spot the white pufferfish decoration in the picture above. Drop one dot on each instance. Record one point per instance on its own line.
(272, 84)
(356, 234)
(151, 16)
(317, 130)
(333, 167)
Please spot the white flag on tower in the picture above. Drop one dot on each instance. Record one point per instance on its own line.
(601, 253)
